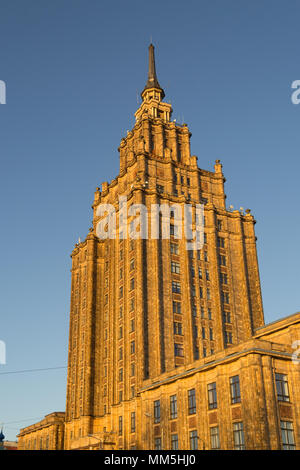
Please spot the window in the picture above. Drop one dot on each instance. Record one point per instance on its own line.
(174, 249)
(222, 260)
(132, 283)
(121, 274)
(121, 312)
(121, 375)
(202, 312)
(212, 396)
(120, 332)
(120, 354)
(209, 313)
(131, 264)
(176, 307)
(194, 310)
(214, 438)
(225, 297)
(157, 443)
(132, 326)
(132, 422)
(211, 334)
(121, 254)
(205, 256)
(175, 267)
(192, 401)
(178, 350)
(238, 436)
(200, 273)
(160, 188)
(219, 224)
(226, 317)
(235, 389)
(132, 391)
(176, 287)
(228, 337)
(208, 294)
(157, 411)
(174, 441)
(132, 369)
(207, 274)
(131, 306)
(221, 242)
(203, 332)
(282, 387)
(173, 407)
(223, 278)
(132, 347)
(188, 181)
(201, 292)
(121, 292)
(181, 180)
(177, 328)
(120, 425)
(287, 435)
(193, 440)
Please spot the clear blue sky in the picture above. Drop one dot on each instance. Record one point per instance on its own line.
(73, 69)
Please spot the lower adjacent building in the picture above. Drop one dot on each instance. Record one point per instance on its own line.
(168, 348)
(246, 397)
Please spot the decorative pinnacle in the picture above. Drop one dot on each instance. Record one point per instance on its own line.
(152, 77)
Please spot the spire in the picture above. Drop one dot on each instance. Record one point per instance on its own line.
(152, 78)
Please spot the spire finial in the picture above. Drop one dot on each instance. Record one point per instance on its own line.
(152, 77)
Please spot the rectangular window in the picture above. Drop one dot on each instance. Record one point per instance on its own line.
(173, 407)
(132, 326)
(131, 264)
(121, 375)
(132, 283)
(211, 334)
(157, 443)
(222, 260)
(226, 317)
(212, 395)
(132, 422)
(192, 401)
(214, 438)
(176, 287)
(203, 332)
(174, 441)
(282, 387)
(157, 411)
(287, 435)
(221, 242)
(132, 347)
(209, 313)
(228, 337)
(175, 267)
(193, 440)
(120, 332)
(174, 249)
(178, 350)
(132, 369)
(121, 292)
(177, 328)
(120, 425)
(238, 436)
(176, 307)
(235, 389)
(225, 297)
(223, 278)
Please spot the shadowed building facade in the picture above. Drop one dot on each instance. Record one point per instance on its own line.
(167, 346)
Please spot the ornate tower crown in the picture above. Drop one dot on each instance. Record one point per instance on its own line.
(152, 95)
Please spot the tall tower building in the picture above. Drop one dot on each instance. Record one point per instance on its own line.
(142, 307)
(155, 327)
